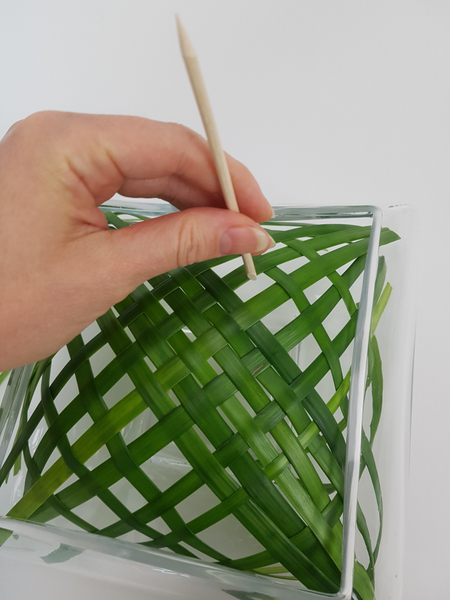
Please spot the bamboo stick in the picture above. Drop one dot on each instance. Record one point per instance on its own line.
(212, 134)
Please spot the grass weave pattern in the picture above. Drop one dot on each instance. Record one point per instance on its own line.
(218, 383)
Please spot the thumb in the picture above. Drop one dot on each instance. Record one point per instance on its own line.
(144, 250)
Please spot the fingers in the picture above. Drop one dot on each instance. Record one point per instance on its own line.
(186, 174)
(136, 157)
(183, 190)
(174, 189)
(144, 250)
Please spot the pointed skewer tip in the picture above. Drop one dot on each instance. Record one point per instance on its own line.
(187, 49)
(191, 62)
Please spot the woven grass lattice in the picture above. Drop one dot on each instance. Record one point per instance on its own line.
(208, 375)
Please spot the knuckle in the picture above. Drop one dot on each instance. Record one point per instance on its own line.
(189, 133)
(189, 141)
(35, 125)
(39, 121)
(13, 129)
(191, 245)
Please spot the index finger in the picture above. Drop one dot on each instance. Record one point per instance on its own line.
(144, 158)
(185, 174)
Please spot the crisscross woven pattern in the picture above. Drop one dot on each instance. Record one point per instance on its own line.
(206, 415)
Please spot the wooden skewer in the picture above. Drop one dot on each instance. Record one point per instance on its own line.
(204, 106)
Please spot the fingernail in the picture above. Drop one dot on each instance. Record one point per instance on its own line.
(242, 240)
(272, 243)
(263, 240)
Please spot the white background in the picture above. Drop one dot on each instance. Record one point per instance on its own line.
(328, 102)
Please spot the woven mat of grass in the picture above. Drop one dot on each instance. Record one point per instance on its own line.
(236, 392)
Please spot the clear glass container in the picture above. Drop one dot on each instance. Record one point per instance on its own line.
(283, 472)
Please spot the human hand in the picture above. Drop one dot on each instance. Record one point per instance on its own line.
(61, 266)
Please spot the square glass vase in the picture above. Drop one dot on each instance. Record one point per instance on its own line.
(215, 437)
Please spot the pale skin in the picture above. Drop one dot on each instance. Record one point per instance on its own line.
(61, 267)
